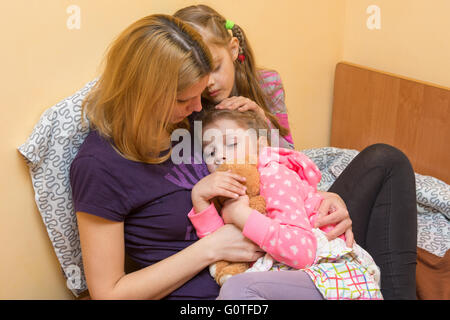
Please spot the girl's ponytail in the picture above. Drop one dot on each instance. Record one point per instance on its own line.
(248, 79)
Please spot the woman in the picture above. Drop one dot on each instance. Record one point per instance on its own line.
(127, 193)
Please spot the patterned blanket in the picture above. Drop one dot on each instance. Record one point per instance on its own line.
(433, 198)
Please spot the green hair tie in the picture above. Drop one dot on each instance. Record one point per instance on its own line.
(229, 25)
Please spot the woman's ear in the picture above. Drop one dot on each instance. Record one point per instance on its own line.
(233, 46)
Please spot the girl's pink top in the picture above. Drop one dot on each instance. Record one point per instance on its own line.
(273, 87)
(289, 185)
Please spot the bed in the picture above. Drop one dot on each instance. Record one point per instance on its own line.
(369, 107)
(372, 106)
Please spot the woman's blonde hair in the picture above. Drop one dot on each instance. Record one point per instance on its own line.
(133, 101)
(247, 76)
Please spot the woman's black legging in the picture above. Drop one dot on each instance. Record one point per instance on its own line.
(378, 187)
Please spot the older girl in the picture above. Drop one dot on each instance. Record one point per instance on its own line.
(236, 83)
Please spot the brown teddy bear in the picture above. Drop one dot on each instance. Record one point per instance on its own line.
(222, 270)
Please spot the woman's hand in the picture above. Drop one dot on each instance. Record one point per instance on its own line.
(228, 243)
(334, 211)
(241, 104)
(219, 183)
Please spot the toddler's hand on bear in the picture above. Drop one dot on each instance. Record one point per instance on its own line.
(217, 184)
(236, 211)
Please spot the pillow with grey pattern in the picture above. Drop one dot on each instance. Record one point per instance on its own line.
(49, 152)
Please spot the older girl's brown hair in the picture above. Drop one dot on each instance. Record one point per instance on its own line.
(247, 77)
(146, 66)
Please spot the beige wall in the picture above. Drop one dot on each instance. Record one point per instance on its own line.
(414, 39)
(42, 62)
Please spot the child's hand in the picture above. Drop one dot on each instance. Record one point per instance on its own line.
(236, 211)
(219, 183)
(241, 104)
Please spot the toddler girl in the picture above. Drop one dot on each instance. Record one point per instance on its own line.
(288, 182)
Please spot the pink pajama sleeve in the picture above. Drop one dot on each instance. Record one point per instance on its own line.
(205, 222)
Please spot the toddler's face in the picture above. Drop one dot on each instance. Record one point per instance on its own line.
(225, 141)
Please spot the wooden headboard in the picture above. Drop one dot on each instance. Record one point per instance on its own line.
(377, 107)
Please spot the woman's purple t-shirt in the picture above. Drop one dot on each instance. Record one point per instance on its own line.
(152, 200)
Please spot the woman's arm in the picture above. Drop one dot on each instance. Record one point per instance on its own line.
(102, 245)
